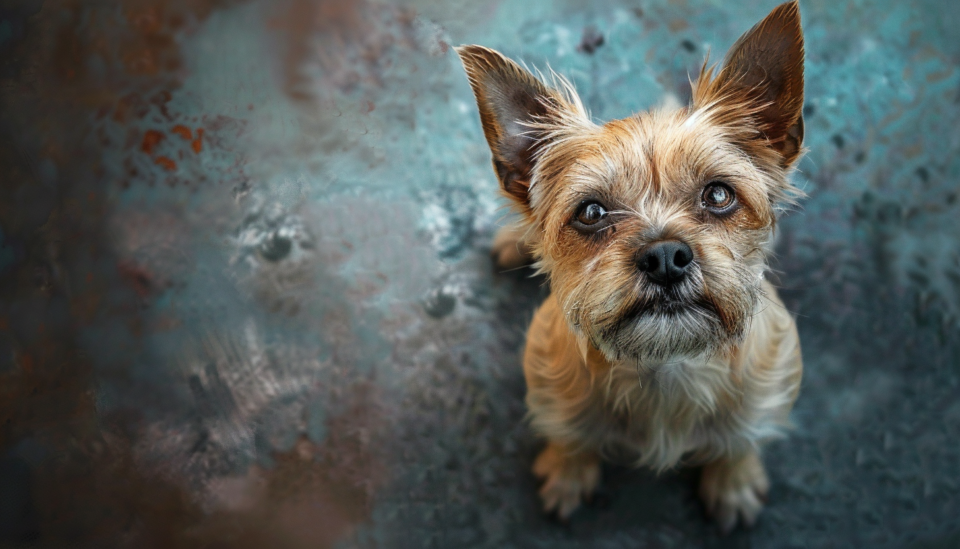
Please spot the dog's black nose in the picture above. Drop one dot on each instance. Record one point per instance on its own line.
(665, 262)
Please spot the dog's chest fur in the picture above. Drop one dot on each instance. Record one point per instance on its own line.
(658, 415)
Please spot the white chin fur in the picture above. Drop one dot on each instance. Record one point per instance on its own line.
(656, 337)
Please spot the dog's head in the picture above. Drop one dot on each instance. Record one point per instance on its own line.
(653, 229)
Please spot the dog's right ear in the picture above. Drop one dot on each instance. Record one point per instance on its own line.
(517, 112)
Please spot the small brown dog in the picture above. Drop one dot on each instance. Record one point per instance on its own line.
(660, 339)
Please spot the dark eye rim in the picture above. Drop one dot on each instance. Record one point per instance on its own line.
(585, 228)
(721, 210)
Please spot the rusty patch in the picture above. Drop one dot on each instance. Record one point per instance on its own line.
(183, 131)
(166, 163)
(197, 144)
(151, 138)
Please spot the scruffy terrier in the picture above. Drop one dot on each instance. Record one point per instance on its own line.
(660, 340)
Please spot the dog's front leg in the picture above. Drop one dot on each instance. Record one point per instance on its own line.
(568, 477)
(733, 488)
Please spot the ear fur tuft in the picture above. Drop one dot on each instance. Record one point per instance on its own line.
(762, 79)
(517, 111)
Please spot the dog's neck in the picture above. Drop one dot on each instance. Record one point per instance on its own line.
(664, 404)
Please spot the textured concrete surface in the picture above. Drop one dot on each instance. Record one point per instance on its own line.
(245, 299)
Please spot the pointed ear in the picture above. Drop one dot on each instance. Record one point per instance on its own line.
(763, 74)
(515, 110)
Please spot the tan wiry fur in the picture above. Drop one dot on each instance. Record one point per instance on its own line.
(704, 370)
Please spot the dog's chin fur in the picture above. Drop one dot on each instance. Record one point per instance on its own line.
(656, 324)
(707, 367)
(688, 332)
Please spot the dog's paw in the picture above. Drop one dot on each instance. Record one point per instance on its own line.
(509, 251)
(567, 479)
(734, 490)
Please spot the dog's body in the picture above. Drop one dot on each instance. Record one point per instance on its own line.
(694, 411)
(660, 341)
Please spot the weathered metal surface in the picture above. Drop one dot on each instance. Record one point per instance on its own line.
(245, 293)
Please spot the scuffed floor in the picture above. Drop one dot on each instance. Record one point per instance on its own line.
(245, 298)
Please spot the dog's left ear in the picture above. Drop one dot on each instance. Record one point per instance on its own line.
(763, 72)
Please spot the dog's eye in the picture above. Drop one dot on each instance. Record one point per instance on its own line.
(717, 197)
(591, 213)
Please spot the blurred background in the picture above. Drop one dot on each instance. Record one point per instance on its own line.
(246, 299)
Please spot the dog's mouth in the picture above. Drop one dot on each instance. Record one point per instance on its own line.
(669, 302)
(670, 305)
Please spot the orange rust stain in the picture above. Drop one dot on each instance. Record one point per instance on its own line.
(167, 163)
(183, 131)
(198, 142)
(151, 139)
